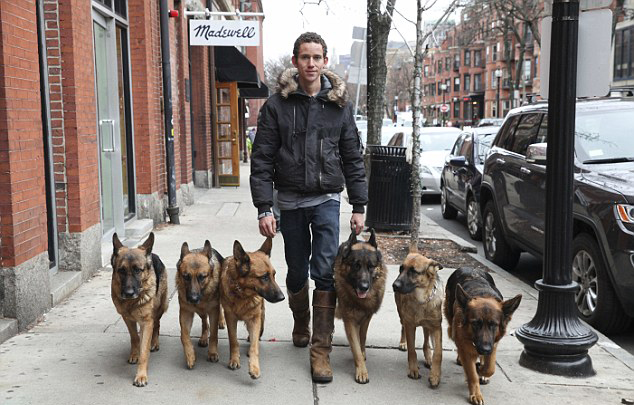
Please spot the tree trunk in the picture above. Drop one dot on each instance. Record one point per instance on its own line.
(378, 31)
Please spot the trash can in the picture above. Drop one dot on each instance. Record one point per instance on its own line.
(389, 191)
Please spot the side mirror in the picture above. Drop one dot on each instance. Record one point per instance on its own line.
(536, 153)
(458, 161)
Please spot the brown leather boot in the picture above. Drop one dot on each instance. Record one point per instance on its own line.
(298, 302)
(323, 327)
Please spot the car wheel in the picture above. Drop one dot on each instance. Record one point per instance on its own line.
(496, 248)
(596, 300)
(474, 225)
(448, 212)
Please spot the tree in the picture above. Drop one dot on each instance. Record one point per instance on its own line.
(400, 78)
(379, 24)
(274, 67)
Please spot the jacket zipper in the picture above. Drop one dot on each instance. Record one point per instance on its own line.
(321, 158)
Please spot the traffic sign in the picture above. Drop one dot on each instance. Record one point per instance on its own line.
(444, 108)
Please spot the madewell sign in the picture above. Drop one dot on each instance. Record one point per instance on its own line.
(224, 32)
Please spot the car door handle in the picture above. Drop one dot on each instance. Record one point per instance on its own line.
(525, 170)
(500, 161)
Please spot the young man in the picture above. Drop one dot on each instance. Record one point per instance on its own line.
(308, 148)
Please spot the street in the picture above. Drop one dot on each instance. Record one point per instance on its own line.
(528, 268)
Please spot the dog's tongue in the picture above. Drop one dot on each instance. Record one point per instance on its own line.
(362, 294)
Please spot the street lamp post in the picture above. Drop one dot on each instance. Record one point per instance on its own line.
(498, 75)
(395, 108)
(443, 87)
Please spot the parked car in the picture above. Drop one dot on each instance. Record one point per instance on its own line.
(485, 122)
(513, 202)
(461, 177)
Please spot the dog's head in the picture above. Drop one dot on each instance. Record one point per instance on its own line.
(131, 266)
(194, 271)
(364, 262)
(256, 272)
(417, 271)
(485, 318)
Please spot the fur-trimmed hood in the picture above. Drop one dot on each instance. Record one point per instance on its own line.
(337, 92)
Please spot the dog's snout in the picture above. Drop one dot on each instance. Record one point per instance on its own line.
(128, 293)
(364, 285)
(397, 285)
(279, 297)
(484, 349)
(194, 298)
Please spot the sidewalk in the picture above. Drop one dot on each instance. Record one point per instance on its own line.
(78, 354)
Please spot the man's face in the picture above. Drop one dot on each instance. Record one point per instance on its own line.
(309, 61)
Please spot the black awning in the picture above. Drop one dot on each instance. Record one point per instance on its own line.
(233, 66)
(250, 92)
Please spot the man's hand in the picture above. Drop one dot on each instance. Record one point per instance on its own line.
(356, 222)
(268, 226)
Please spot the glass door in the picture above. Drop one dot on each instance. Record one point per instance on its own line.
(227, 146)
(108, 127)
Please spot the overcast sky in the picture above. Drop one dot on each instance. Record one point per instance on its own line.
(285, 20)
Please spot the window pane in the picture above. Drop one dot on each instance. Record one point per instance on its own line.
(526, 132)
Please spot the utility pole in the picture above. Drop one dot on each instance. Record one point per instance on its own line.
(498, 76)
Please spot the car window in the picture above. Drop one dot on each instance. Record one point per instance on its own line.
(602, 135)
(525, 133)
(456, 147)
(542, 134)
(505, 137)
(467, 148)
(484, 145)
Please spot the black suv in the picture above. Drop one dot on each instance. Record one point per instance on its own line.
(513, 202)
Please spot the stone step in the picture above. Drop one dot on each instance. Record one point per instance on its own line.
(63, 283)
(8, 328)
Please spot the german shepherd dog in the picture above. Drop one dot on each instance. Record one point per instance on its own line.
(477, 318)
(139, 293)
(418, 292)
(360, 284)
(198, 285)
(247, 279)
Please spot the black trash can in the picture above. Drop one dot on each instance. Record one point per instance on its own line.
(389, 191)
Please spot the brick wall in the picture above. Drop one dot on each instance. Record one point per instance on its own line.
(181, 71)
(22, 200)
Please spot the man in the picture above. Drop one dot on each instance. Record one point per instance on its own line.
(307, 146)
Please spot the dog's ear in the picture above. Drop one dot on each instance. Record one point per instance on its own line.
(509, 306)
(207, 250)
(116, 244)
(267, 246)
(148, 244)
(461, 296)
(372, 240)
(434, 267)
(347, 245)
(243, 263)
(184, 250)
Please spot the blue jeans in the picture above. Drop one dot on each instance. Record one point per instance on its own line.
(322, 221)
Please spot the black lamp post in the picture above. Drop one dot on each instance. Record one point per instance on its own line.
(443, 88)
(498, 76)
(555, 340)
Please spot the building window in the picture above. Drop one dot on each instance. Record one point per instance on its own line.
(440, 66)
(447, 64)
(456, 62)
(535, 65)
(494, 53)
(456, 84)
(426, 71)
(526, 70)
(477, 58)
(456, 109)
(467, 83)
(467, 57)
(624, 54)
(494, 82)
(477, 82)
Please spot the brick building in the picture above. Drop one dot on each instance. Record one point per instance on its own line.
(83, 133)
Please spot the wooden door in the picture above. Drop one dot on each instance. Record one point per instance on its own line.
(227, 143)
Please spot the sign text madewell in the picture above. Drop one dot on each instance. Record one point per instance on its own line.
(224, 32)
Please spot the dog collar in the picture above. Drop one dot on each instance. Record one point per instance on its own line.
(433, 292)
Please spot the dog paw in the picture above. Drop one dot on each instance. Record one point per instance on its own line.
(254, 372)
(221, 324)
(434, 381)
(190, 359)
(212, 357)
(476, 399)
(154, 348)
(402, 346)
(362, 376)
(134, 358)
(140, 380)
(234, 364)
(414, 374)
(203, 342)
(427, 364)
(484, 380)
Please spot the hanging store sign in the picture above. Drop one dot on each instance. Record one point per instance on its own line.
(224, 33)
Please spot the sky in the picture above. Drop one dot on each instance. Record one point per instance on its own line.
(285, 20)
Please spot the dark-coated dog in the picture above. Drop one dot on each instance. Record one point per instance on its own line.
(198, 286)
(478, 317)
(419, 293)
(139, 293)
(247, 280)
(360, 276)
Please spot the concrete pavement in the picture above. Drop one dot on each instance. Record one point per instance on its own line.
(77, 354)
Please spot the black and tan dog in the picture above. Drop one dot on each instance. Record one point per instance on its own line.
(247, 280)
(477, 318)
(418, 292)
(198, 286)
(360, 284)
(139, 293)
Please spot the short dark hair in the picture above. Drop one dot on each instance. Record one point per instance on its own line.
(309, 37)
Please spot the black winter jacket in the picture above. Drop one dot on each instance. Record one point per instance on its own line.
(308, 145)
